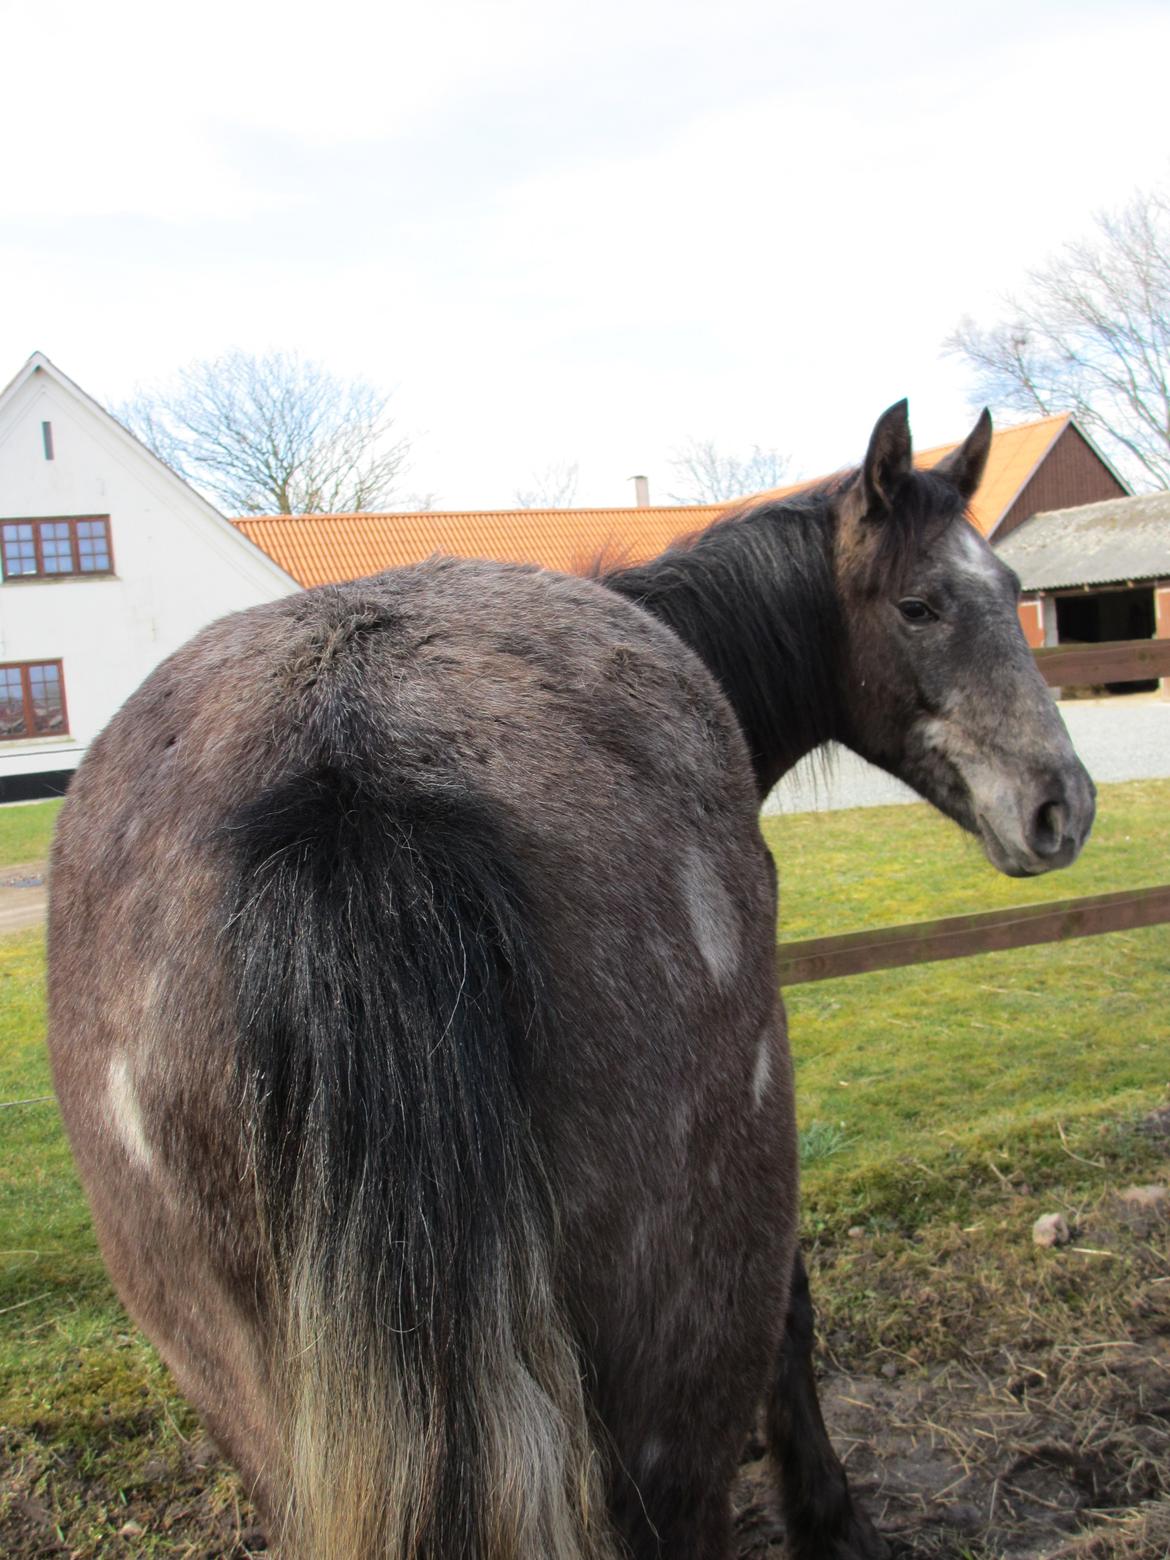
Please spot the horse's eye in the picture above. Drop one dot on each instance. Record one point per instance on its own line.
(915, 611)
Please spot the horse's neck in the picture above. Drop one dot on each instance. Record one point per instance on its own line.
(755, 599)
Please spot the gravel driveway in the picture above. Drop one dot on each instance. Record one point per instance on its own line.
(1125, 738)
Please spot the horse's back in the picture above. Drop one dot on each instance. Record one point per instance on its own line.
(600, 742)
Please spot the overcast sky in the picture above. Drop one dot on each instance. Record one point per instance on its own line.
(563, 232)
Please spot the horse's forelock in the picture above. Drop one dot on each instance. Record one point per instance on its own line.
(924, 508)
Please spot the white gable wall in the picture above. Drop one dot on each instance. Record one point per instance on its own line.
(178, 565)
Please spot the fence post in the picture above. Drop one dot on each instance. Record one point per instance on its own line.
(1162, 624)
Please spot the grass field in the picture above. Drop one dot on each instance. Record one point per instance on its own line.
(942, 1107)
(974, 1061)
(26, 832)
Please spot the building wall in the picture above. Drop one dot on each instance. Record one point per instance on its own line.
(1102, 615)
(1031, 610)
(178, 565)
(1071, 474)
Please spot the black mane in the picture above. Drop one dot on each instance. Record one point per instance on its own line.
(754, 596)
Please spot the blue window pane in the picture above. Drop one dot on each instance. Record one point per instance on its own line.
(20, 554)
(92, 555)
(93, 548)
(55, 548)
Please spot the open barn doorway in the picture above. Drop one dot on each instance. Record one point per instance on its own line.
(1093, 617)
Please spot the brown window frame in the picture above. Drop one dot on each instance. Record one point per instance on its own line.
(30, 733)
(76, 572)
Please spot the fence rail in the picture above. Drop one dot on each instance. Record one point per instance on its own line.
(1120, 660)
(959, 936)
(1021, 926)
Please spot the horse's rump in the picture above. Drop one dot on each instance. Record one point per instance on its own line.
(413, 999)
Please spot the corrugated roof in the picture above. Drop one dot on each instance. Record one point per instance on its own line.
(318, 549)
(1097, 544)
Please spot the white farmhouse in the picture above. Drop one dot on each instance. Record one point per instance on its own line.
(109, 561)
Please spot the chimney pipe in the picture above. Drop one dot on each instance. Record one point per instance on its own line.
(641, 492)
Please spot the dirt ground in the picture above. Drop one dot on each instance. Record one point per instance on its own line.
(1055, 1444)
(960, 1465)
(23, 896)
(953, 1466)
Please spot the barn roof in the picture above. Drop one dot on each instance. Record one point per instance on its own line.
(318, 549)
(1097, 544)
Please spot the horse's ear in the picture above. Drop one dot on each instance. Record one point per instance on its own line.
(964, 466)
(887, 460)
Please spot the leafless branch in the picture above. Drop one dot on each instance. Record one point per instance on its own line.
(274, 434)
(1091, 336)
(555, 487)
(706, 476)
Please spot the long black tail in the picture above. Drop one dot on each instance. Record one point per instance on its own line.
(391, 1004)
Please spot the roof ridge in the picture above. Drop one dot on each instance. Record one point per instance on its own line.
(463, 514)
(1020, 427)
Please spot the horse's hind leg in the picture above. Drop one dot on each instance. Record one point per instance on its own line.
(679, 1515)
(821, 1519)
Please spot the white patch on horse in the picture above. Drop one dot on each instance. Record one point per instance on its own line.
(988, 782)
(762, 1075)
(975, 556)
(936, 735)
(712, 916)
(126, 1113)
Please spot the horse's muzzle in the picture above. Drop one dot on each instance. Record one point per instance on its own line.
(1043, 826)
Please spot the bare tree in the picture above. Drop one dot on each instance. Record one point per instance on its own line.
(274, 434)
(706, 476)
(1091, 336)
(555, 487)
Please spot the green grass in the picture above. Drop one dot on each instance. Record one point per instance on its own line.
(26, 831)
(938, 1104)
(946, 1077)
(81, 1391)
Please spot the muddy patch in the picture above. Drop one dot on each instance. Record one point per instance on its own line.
(962, 1464)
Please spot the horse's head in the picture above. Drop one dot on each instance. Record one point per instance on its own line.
(939, 686)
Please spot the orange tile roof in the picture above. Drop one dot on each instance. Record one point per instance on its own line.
(318, 549)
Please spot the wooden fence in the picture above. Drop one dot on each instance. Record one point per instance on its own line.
(1021, 926)
(1121, 660)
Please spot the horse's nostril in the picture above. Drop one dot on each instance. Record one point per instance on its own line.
(1048, 828)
